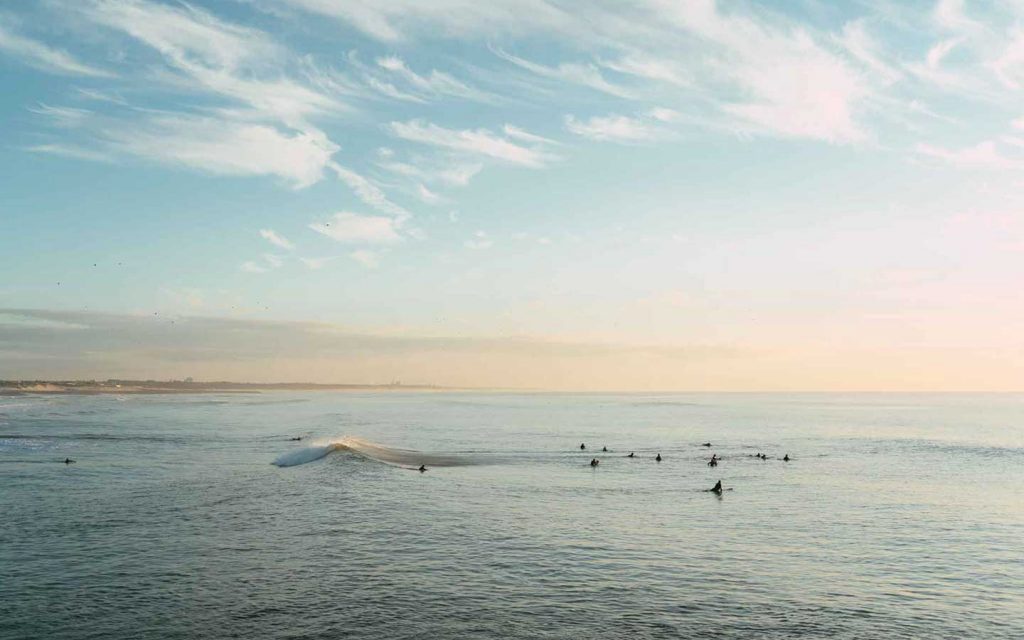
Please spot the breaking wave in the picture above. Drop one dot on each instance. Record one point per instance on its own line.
(372, 451)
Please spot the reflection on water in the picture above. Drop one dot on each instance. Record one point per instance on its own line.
(897, 516)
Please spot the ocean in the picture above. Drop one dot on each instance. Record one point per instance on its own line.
(197, 516)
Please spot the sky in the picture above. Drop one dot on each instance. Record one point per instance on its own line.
(540, 194)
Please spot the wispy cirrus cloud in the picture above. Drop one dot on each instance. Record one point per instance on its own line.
(442, 171)
(396, 20)
(435, 84)
(263, 129)
(471, 142)
(45, 57)
(71, 151)
(352, 228)
(369, 192)
(276, 239)
(428, 196)
(226, 147)
(584, 74)
(233, 61)
(614, 128)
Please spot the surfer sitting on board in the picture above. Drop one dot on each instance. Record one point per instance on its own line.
(422, 468)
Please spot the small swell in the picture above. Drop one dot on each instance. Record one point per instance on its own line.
(372, 451)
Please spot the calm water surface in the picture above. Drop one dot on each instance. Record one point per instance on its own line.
(899, 516)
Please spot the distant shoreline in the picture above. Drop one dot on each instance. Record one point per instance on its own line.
(155, 387)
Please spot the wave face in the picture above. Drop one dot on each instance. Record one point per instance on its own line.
(371, 451)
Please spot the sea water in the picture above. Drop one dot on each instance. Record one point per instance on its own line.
(897, 516)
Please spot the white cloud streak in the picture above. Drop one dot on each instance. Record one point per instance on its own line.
(479, 142)
(352, 228)
(275, 239)
(614, 128)
(587, 75)
(226, 147)
(46, 58)
(368, 192)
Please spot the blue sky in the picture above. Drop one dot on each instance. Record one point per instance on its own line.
(800, 181)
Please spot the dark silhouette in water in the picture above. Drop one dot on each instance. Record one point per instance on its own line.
(706, 444)
(68, 461)
(657, 458)
(785, 458)
(582, 446)
(631, 455)
(594, 462)
(296, 438)
(714, 461)
(717, 488)
(764, 457)
(605, 449)
(422, 468)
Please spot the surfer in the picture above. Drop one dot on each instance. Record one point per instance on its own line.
(631, 455)
(594, 462)
(422, 468)
(717, 488)
(706, 444)
(582, 446)
(296, 438)
(713, 462)
(657, 458)
(68, 461)
(785, 458)
(605, 449)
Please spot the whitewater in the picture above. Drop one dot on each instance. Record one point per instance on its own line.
(372, 451)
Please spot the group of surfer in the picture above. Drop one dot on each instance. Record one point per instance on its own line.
(594, 461)
(713, 462)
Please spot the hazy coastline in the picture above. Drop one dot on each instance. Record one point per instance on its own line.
(121, 387)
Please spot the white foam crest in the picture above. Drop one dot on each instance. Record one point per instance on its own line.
(372, 451)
